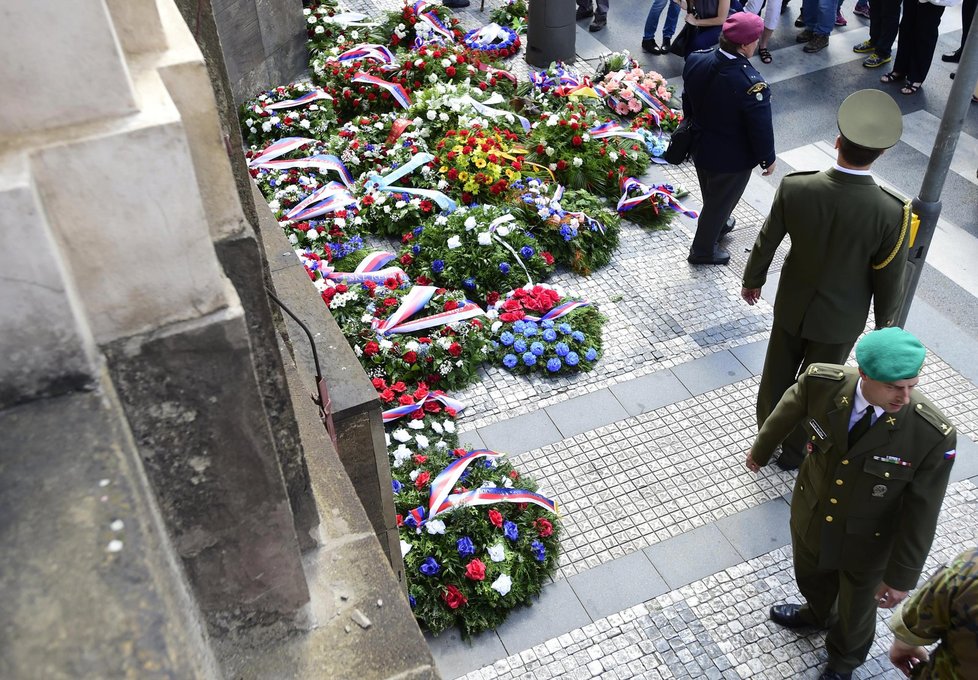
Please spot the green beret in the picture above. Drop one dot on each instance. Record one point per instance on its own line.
(870, 119)
(890, 354)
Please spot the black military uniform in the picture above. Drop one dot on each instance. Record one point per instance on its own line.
(729, 105)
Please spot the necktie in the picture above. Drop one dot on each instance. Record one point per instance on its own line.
(861, 426)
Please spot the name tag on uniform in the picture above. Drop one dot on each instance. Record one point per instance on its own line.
(817, 428)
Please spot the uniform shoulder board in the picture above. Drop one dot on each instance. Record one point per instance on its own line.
(895, 194)
(757, 88)
(934, 417)
(826, 372)
(801, 173)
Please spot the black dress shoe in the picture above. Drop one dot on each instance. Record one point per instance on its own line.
(799, 22)
(583, 14)
(952, 58)
(719, 256)
(829, 674)
(598, 23)
(666, 44)
(788, 615)
(651, 46)
(729, 226)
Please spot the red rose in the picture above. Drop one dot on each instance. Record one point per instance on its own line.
(390, 302)
(371, 348)
(418, 415)
(492, 298)
(458, 453)
(450, 305)
(547, 257)
(399, 387)
(423, 280)
(475, 570)
(455, 349)
(379, 384)
(450, 411)
(453, 597)
(410, 357)
(496, 518)
(514, 475)
(399, 519)
(406, 259)
(418, 458)
(387, 396)
(544, 527)
(576, 140)
(561, 164)
(422, 480)
(450, 71)
(405, 400)
(432, 407)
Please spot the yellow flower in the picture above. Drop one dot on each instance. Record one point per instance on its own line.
(462, 176)
(479, 162)
(443, 169)
(512, 174)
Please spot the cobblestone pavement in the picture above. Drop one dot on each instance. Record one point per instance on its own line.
(718, 627)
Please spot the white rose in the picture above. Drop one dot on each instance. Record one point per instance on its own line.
(401, 454)
(449, 426)
(431, 115)
(553, 120)
(435, 526)
(304, 123)
(401, 435)
(550, 151)
(274, 120)
(266, 126)
(485, 238)
(385, 344)
(502, 584)
(443, 117)
(503, 231)
(470, 223)
(445, 63)
(405, 548)
(497, 553)
(422, 441)
(454, 242)
(312, 234)
(414, 475)
(273, 206)
(613, 155)
(436, 426)
(249, 122)
(293, 239)
(432, 77)
(415, 424)
(319, 29)
(311, 20)
(496, 326)
(508, 483)
(577, 162)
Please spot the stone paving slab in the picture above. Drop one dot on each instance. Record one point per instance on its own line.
(717, 626)
(587, 412)
(693, 555)
(758, 530)
(649, 392)
(617, 585)
(560, 611)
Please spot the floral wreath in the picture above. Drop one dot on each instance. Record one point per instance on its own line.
(493, 41)
(544, 331)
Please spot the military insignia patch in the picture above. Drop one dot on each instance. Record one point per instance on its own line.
(879, 490)
(949, 455)
(757, 88)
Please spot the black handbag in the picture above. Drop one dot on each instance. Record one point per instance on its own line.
(682, 41)
(680, 143)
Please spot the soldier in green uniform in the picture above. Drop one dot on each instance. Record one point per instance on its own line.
(848, 245)
(866, 500)
(946, 609)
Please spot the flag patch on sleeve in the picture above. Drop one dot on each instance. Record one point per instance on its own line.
(949, 455)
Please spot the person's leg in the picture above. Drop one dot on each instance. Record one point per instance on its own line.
(672, 20)
(905, 44)
(601, 8)
(925, 42)
(826, 17)
(875, 20)
(652, 20)
(585, 9)
(721, 193)
(785, 352)
(849, 639)
(968, 8)
(819, 587)
(889, 25)
(809, 13)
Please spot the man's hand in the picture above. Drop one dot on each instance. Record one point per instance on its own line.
(888, 598)
(751, 465)
(905, 657)
(769, 169)
(750, 295)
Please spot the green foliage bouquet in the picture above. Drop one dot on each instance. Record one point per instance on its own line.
(511, 13)
(481, 250)
(401, 28)
(477, 539)
(544, 331)
(462, 106)
(584, 151)
(296, 110)
(573, 224)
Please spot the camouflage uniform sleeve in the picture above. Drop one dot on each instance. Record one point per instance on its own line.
(945, 608)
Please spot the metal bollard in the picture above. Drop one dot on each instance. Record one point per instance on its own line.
(551, 32)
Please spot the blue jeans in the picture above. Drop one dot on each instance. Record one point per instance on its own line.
(819, 15)
(652, 20)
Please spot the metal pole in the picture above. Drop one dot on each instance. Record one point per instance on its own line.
(927, 206)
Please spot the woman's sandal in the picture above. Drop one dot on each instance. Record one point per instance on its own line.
(910, 88)
(892, 77)
(765, 55)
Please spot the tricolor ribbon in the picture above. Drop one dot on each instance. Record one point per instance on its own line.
(627, 202)
(437, 26)
(307, 98)
(417, 299)
(657, 108)
(386, 182)
(280, 148)
(493, 71)
(327, 198)
(323, 162)
(397, 91)
(368, 52)
(390, 415)
(488, 35)
(371, 268)
(489, 112)
(613, 129)
(560, 310)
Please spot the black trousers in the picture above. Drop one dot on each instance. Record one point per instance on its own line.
(968, 8)
(918, 40)
(721, 193)
(884, 21)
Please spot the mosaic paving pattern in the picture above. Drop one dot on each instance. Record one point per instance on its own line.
(717, 627)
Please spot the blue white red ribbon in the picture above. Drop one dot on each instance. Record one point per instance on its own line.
(280, 148)
(443, 484)
(613, 129)
(390, 415)
(417, 299)
(489, 112)
(386, 182)
(327, 198)
(646, 192)
(493, 495)
(322, 162)
(396, 90)
(657, 108)
(307, 98)
(493, 71)
(371, 268)
(368, 52)
(560, 310)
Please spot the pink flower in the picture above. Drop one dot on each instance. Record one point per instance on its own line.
(634, 105)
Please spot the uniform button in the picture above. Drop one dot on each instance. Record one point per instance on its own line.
(845, 462)
(828, 518)
(801, 486)
(813, 437)
(839, 482)
(833, 501)
(877, 534)
(886, 474)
